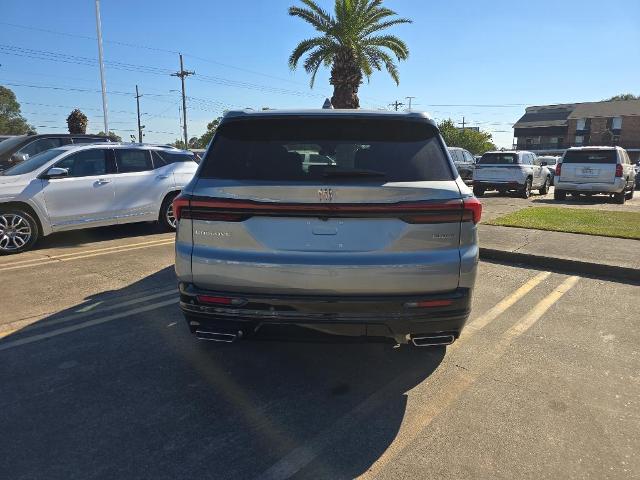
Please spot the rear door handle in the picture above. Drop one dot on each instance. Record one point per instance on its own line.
(103, 181)
(162, 177)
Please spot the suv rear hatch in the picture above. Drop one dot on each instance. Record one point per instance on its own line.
(589, 166)
(498, 167)
(376, 212)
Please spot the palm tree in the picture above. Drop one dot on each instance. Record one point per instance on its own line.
(349, 44)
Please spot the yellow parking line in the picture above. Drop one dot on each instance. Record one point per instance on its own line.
(54, 260)
(79, 326)
(462, 380)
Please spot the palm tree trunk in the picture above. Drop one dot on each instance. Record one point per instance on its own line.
(346, 78)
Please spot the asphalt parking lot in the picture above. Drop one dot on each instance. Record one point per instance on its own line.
(101, 379)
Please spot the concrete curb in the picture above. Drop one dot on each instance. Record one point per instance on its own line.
(614, 272)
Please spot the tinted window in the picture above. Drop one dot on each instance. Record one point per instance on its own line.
(455, 155)
(133, 160)
(40, 145)
(86, 163)
(467, 157)
(33, 163)
(316, 149)
(11, 143)
(161, 158)
(89, 140)
(499, 159)
(590, 156)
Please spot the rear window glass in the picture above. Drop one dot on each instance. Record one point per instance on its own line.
(317, 150)
(161, 158)
(590, 156)
(499, 159)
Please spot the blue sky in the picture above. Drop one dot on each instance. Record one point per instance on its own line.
(466, 58)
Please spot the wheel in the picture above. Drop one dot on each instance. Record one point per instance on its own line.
(631, 192)
(18, 231)
(559, 194)
(620, 198)
(478, 191)
(167, 218)
(526, 190)
(545, 187)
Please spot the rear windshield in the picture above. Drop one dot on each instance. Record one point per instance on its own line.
(499, 159)
(590, 156)
(326, 149)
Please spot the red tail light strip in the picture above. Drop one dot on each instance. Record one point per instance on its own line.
(232, 210)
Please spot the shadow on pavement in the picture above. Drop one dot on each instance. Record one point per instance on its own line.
(77, 238)
(139, 397)
(581, 200)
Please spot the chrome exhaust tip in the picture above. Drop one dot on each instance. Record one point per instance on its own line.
(433, 340)
(218, 336)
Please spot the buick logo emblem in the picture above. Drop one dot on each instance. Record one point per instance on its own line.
(325, 195)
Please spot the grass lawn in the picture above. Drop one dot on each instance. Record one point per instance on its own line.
(574, 220)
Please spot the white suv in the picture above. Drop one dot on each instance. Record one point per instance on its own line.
(85, 186)
(592, 170)
(504, 171)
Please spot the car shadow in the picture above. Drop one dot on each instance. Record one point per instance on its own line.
(116, 387)
(582, 200)
(81, 237)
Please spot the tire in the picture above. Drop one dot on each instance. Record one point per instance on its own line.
(19, 231)
(545, 187)
(620, 198)
(478, 191)
(526, 190)
(559, 194)
(166, 218)
(631, 192)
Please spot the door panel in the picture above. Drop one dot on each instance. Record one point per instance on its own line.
(86, 196)
(139, 188)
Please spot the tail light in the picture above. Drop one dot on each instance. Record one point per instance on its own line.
(215, 300)
(429, 303)
(558, 169)
(618, 170)
(472, 210)
(232, 210)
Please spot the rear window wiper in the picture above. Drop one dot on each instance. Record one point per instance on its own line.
(353, 173)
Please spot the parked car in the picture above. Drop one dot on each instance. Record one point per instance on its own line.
(637, 169)
(595, 170)
(81, 186)
(19, 148)
(380, 240)
(464, 162)
(550, 162)
(506, 171)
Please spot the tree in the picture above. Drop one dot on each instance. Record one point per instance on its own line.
(472, 140)
(350, 44)
(623, 96)
(77, 122)
(206, 137)
(112, 136)
(179, 144)
(11, 121)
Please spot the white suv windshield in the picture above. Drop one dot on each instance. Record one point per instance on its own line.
(33, 163)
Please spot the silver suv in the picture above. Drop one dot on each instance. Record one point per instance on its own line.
(376, 237)
(504, 171)
(593, 170)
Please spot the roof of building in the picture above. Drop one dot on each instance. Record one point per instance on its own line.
(558, 115)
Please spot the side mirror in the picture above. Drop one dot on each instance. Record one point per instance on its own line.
(56, 172)
(543, 164)
(17, 158)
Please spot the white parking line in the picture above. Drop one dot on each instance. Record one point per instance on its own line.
(457, 383)
(79, 326)
(106, 251)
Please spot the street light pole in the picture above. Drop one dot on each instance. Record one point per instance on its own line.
(101, 62)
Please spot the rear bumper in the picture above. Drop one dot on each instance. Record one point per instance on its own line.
(498, 185)
(361, 317)
(616, 187)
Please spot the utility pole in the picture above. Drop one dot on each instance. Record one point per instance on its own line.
(182, 74)
(409, 98)
(140, 127)
(463, 123)
(396, 104)
(101, 62)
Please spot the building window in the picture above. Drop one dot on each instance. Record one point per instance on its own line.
(616, 123)
(579, 140)
(616, 139)
(553, 140)
(580, 124)
(560, 141)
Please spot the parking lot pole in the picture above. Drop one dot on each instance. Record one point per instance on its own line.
(101, 62)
